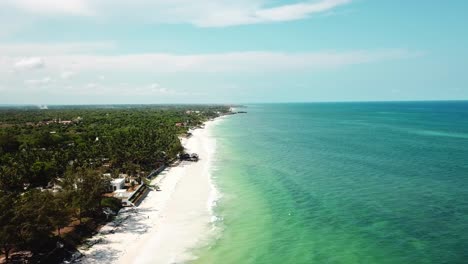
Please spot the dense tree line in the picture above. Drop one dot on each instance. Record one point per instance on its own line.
(72, 148)
(31, 219)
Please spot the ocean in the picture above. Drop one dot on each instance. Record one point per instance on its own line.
(342, 183)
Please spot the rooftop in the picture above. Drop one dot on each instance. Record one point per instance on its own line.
(118, 181)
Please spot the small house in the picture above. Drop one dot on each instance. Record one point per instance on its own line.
(118, 184)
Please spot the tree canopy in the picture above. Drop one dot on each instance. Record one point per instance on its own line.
(72, 148)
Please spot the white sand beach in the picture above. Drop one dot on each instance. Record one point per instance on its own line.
(168, 223)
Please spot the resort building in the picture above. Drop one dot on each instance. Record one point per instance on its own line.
(118, 184)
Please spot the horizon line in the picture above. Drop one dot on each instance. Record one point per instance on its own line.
(238, 103)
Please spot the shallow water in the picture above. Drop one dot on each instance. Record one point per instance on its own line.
(342, 183)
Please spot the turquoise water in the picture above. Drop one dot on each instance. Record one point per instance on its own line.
(343, 183)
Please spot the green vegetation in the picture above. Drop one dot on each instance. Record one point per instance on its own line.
(112, 203)
(52, 163)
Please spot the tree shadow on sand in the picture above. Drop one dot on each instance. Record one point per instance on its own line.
(130, 221)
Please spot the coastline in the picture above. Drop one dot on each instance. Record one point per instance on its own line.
(168, 224)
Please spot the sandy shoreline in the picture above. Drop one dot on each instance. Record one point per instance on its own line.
(169, 223)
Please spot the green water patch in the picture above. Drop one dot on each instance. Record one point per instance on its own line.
(301, 184)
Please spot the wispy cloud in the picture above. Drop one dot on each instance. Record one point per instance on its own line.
(122, 89)
(31, 63)
(237, 62)
(156, 88)
(66, 61)
(42, 81)
(61, 68)
(202, 13)
(50, 7)
(43, 49)
(266, 15)
(67, 75)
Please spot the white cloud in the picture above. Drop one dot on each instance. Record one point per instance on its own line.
(141, 67)
(163, 63)
(51, 7)
(37, 49)
(67, 75)
(45, 80)
(123, 89)
(260, 14)
(29, 63)
(202, 13)
(91, 86)
(237, 62)
(156, 88)
(67, 60)
(297, 11)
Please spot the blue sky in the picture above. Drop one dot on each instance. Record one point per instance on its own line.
(220, 51)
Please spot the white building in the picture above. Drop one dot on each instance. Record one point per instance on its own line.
(118, 184)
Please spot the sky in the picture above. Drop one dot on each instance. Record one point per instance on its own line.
(224, 51)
